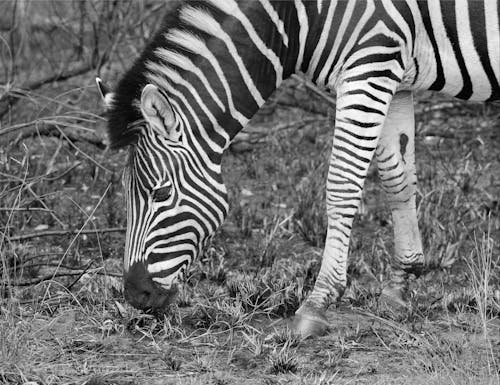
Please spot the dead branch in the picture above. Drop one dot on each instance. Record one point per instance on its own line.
(252, 135)
(24, 264)
(11, 97)
(82, 272)
(325, 95)
(9, 209)
(48, 128)
(52, 233)
(51, 277)
(48, 176)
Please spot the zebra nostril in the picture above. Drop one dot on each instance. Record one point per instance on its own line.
(144, 297)
(143, 293)
(138, 287)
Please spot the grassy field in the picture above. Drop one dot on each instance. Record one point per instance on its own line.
(63, 319)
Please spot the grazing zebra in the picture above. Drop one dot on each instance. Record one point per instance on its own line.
(215, 62)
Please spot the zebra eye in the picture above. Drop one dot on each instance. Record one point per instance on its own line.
(162, 193)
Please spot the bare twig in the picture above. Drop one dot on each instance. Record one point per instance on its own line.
(52, 233)
(252, 135)
(6, 281)
(24, 209)
(12, 96)
(322, 94)
(51, 277)
(72, 133)
(80, 276)
(83, 152)
(24, 264)
(30, 181)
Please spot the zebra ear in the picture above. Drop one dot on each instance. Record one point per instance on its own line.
(158, 112)
(106, 95)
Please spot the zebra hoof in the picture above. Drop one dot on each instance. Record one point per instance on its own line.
(393, 298)
(309, 324)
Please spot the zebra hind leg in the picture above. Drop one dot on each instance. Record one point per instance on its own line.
(396, 166)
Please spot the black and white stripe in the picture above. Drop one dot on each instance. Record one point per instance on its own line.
(217, 61)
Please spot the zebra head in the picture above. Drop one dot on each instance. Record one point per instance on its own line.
(174, 205)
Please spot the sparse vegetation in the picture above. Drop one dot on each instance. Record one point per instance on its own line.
(63, 318)
(283, 360)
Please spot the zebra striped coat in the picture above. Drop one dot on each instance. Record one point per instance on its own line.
(215, 62)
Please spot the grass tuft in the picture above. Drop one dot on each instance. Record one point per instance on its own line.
(285, 337)
(283, 360)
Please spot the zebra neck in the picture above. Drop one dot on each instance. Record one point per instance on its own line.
(220, 66)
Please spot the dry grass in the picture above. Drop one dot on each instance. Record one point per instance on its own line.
(63, 319)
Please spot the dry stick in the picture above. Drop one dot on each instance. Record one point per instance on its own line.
(19, 126)
(48, 129)
(41, 264)
(80, 276)
(26, 184)
(52, 233)
(68, 274)
(61, 175)
(5, 276)
(15, 127)
(85, 155)
(80, 115)
(323, 94)
(70, 141)
(24, 209)
(40, 256)
(12, 98)
(40, 200)
(257, 134)
(390, 323)
(36, 179)
(76, 236)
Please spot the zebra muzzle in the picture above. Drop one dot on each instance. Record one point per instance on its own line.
(145, 294)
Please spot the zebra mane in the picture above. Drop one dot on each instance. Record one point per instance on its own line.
(124, 112)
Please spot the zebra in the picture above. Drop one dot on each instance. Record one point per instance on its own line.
(213, 64)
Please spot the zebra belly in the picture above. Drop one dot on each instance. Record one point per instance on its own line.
(458, 49)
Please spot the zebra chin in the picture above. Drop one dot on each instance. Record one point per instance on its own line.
(143, 293)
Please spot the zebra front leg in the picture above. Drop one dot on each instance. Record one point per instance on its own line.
(396, 167)
(361, 110)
